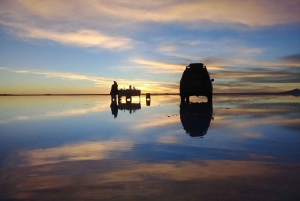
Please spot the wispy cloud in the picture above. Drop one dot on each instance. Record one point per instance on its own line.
(118, 25)
(100, 15)
(53, 115)
(167, 48)
(156, 121)
(84, 38)
(295, 58)
(158, 67)
(73, 152)
(104, 82)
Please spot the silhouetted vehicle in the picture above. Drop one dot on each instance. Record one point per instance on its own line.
(195, 81)
(196, 117)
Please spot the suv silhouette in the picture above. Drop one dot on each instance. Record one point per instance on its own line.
(195, 81)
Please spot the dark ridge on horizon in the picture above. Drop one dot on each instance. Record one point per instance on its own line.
(294, 92)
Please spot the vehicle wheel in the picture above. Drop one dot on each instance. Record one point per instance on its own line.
(209, 98)
(182, 98)
(187, 99)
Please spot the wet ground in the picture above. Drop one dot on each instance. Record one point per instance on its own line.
(88, 148)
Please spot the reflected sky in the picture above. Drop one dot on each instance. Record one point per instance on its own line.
(238, 140)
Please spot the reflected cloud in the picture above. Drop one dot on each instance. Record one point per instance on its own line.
(108, 180)
(184, 171)
(168, 140)
(72, 152)
(235, 158)
(255, 117)
(49, 115)
(155, 121)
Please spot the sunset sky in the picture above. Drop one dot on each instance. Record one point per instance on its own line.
(62, 46)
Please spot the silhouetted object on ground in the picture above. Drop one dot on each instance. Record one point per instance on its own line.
(114, 91)
(114, 108)
(129, 93)
(148, 99)
(294, 92)
(196, 117)
(195, 81)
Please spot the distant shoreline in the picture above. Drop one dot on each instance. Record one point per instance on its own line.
(152, 94)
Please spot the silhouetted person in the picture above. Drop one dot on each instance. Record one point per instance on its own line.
(130, 87)
(114, 91)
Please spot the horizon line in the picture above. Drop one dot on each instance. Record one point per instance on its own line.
(219, 93)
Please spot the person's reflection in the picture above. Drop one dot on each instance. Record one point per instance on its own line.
(114, 108)
(196, 117)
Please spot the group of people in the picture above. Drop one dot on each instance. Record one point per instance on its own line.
(114, 91)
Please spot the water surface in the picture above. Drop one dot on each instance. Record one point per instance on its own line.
(88, 148)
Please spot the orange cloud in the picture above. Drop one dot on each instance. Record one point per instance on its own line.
(251, 13)
(105, 82)
(73, 152)
(84, 38)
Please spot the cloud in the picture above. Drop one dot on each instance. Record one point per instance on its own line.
(168, 140)
(158, 67)
(156, 120)
(111, 179)
(103, 13)
(51, 115)
(84, 38)
(168, 48)
(292, 58)
(73, 152)
(105, 82)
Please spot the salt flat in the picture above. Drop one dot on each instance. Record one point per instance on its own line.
(86, 147)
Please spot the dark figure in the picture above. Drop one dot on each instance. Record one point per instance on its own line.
(114, 91)
(196, 117)
(148, 99)
(114, 108)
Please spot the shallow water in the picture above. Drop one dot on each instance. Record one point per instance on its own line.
(85, 147)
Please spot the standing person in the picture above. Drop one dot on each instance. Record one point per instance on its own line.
(114, 91)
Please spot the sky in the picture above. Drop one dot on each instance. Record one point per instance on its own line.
(81, 47)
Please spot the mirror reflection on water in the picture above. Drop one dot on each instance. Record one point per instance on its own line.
(238, 147)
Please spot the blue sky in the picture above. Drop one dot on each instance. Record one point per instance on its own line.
(83, 46)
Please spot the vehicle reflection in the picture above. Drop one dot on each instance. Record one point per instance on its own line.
(196, 117)
(128, 106)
